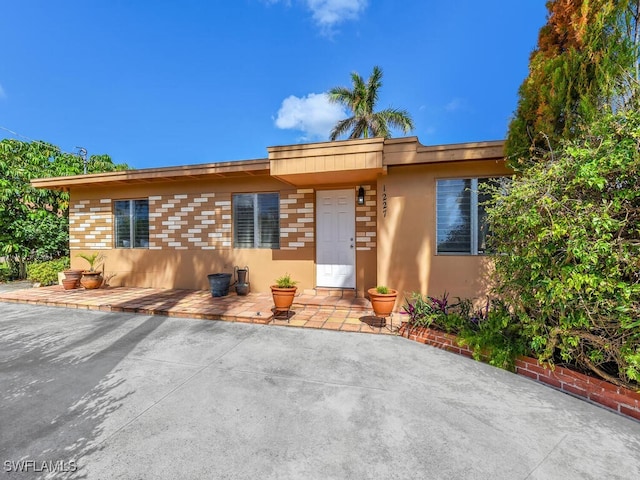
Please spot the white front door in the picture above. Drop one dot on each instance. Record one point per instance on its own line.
(335, 238)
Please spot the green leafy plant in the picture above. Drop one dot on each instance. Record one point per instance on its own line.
(361, 101)
(46, 273)
(568, 236)
(5, 272)
(492, 331)
(34, 224)
(418, 310)
(572, 75)
(93, 259)
(436, 312)
(494, 335)
(382, 290)
(285, 281)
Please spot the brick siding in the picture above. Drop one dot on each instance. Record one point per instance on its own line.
(190, 221)
(90, 224)
(204, 221)
(366, 220)
(297, 219)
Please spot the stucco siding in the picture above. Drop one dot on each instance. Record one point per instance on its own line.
(191, 225)
(406, 252)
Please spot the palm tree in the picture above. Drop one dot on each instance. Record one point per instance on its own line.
(361, 100)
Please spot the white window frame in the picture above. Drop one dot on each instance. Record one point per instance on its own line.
(257, 243)
(474, 221)
(132, 224)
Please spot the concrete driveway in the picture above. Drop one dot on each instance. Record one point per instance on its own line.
(131, 396)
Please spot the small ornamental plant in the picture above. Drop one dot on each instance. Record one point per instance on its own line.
(492, 332)
(283, 293)
(382, 290)
(94, 260)
(285, 281)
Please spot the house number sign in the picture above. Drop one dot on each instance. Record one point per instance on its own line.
(384, 201)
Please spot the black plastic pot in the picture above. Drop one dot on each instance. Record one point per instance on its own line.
(219, 283)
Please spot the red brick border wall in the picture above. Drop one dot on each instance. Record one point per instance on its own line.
(618, 399)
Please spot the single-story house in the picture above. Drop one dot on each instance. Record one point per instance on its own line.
(346, 215)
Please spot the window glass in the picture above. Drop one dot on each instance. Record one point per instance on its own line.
(484, 200)
(141, 223)
(131, 223)
(256, 220)
(123, 224)
(243, 231)
(461, 211)
(269, 220)
(453, 212)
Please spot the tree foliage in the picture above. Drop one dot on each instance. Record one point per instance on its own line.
(568, 237)
(586, 60)
(361, 100)
(34, 222)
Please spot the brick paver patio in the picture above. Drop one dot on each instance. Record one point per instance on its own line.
(308, 311)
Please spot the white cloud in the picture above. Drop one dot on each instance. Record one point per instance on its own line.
(314, 115)
(329, 13)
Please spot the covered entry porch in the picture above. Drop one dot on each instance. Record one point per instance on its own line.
(343, 177)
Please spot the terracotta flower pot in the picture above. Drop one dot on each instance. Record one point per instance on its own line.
(91, 280)
(382, 303)
(73, 274)
(69, 283)
(283, 297)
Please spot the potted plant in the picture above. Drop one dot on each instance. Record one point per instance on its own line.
(69, 283)
(69, 275)
(91, 278)
(283, 292)
(383, 299)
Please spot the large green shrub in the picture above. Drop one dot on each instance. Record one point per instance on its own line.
(567, 235)
(46, 273)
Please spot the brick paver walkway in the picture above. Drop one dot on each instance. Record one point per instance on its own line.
(308, 311)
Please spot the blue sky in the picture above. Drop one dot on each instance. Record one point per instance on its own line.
(165, 82)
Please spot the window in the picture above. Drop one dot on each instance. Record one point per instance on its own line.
(256, 220)
(132, 223)
(461, 217)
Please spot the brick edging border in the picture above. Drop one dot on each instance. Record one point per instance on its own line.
(619, 399)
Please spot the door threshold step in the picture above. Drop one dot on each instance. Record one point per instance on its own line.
(331, 292)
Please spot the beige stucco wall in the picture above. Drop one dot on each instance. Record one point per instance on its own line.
(191, 234)
(407, 232)
(191, 224)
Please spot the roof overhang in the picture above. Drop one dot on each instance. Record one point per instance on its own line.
(349, 161)
(408, 151)
(245, 168)
(342, 162)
